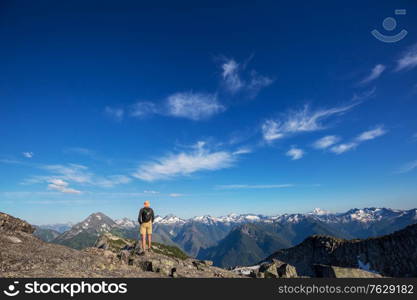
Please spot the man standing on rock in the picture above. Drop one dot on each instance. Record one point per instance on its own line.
(145, 219)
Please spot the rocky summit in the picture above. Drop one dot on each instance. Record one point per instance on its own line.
(10, 224)
(393, 255)
(161, 259)
(24, 255)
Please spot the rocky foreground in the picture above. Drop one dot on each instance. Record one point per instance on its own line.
(24, 255)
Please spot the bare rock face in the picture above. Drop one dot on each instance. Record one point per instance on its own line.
(393, 255)
(9, 223)
(339, 272)
(161, 259)
(276, 269)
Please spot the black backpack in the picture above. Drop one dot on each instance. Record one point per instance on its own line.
(146, 214)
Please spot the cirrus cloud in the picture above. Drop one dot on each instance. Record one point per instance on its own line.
(194, 106)
(295, 153)
(60, 185)
(187, 105)
(326, 141)
(408, 167)
(408, 59)
(302, 120)
(364, 136)
(185, 163)
(27, 154)
(235, 78)
(375, 73)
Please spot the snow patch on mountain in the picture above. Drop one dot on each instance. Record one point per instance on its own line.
(126, 223)
(168, 220)
(319, 212)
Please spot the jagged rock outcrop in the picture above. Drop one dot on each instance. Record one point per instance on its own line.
(9, 223)
(162, 259)
(393, 255)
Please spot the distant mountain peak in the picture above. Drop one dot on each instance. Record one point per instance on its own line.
(320, 212)
(168, 219)
(98, 215)
(126, 223)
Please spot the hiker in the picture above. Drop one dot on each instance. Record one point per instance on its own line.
(145, 219)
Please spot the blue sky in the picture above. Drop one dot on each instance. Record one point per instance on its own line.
(239, 107)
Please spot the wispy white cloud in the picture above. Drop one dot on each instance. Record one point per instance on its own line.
(303, 120)
(231, 75)
(364, 136)
(78, 174)
(408, 59)
(295, 153)
(342, 148)
(188, 105)
(408, 167)
(61, 186)
(110, 181)
(258, 82)
(243, 150)
(143, 109)
(271, 130)
(256, 186)
(199, 105)
(362, 96)
(27, 154)
(235, 79)
(199, 158)
(371, 134)
(326, 141)
(115, 113)
(71, 172)
(194, 106)
(375, 73)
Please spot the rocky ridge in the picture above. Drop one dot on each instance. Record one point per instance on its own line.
(393, 255)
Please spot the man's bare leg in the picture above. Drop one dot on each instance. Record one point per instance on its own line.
(143, 242)
(150, 241)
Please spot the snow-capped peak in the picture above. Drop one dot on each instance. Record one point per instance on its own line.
(126, 223)
(169, 219)
(319, 212)
(207, 219)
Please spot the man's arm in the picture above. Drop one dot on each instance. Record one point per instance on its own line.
(140, 216)
(153, 216)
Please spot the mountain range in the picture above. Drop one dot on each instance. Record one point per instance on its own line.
(240, 239)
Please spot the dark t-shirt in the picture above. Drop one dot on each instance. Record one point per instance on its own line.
(145, 210)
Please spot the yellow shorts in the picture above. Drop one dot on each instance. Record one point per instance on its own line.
(146, 228)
